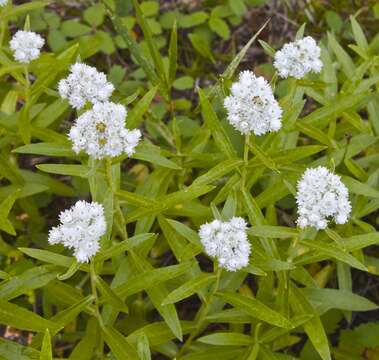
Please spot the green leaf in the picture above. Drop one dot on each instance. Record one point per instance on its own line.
(342, 56)
(73, 28)
(135, 115)
(46, 351)
(151, 153)
(213, 123)
(313, 328)
(201, 46)
(255, 308)
(22, 9)
(12, 350)
(157, 294)
(334, 252)
(120, 347)
(359, 188)
(123, 246)
(20, 318)
(217, 172)
(5, 208)
(227, 339)
(358, 33)
(135, 50)
(63, 169)
(280, 232)
(143, 347)
(150, 278)
(51, 258)
(148, 36)
(193, 19)
(173, 55)
(232, 67)
(30, 279)
(48, 149)
(94, 15)
(69, 314)
(110, 296)
(220, 27)
(191, 235)
(190, 287)
(326, 299)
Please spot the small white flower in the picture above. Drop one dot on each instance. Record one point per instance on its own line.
(101, 132)
(81, 228)
(85, 84)
(227, 242)
(252, 107)
(3, 2)
(26, 46)
(320, 195)
(298, 58)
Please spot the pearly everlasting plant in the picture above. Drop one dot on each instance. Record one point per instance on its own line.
(321, 195)
(26, 46)
(81, 228)
(298, 58)
(85, 84)
(101, 132)
(252, 107)
(227, 242)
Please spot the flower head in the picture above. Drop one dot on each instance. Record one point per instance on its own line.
(26, 46)
(321, 195)
(227, 242)
(3, 2)
(85, 84)
(252, 107)
(81, 228)
(101, 132)
(298, 58)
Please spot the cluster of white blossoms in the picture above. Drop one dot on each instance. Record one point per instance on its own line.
(26, 46)
(320, 195)
(227, 242)
(85, 84)
(101, 132)
(298, 58)
(3, 2)
(252, 107)
(81, 228)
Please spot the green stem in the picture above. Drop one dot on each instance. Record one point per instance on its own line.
(108, 167)
(245, 160)
(93, 277)
(199, 322)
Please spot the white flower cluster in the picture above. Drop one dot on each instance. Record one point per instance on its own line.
(85, 84)
(3, 2)
(321, 194)
(26, 46)
(227, 242)
(101, 132)
(252, 107)
(298, 58)
(81, 228)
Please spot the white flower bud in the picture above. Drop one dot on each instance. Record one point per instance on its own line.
(321, 194)
(26, 46)
(252, 107)
(85, 84)
(298, 58)
(101, 132)
(81, 228)
(227, 242)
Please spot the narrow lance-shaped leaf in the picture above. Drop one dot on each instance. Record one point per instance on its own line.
(313, 327)
(189, 288)
(255, 309)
